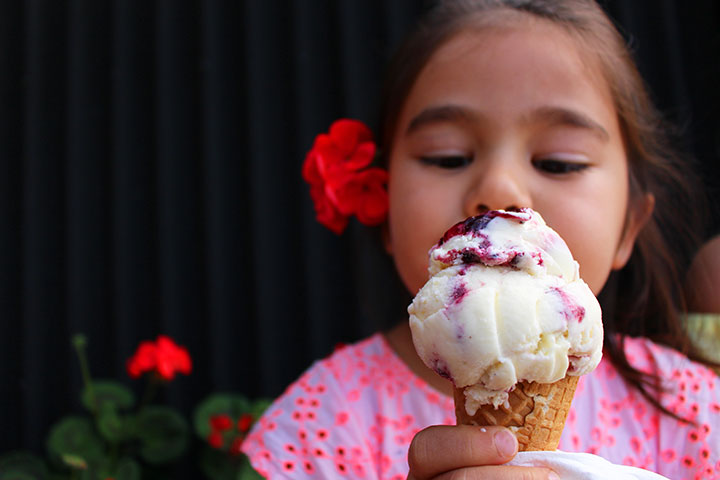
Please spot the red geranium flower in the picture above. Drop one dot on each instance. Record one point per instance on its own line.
(236, 446)
(340, 183)
(143, 360)
(221, 422)
(326, 211)
(215, 440)
(365, 196)
(245, 422)
(163, 356)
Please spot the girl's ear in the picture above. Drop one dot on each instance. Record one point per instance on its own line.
(638, 216)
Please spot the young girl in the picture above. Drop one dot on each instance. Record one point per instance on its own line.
(497, 104)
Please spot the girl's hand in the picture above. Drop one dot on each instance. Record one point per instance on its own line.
(465, 452)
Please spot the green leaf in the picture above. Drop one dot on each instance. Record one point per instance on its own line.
(58, 476)
(91, 473)
(111, 426)
(259, 406)
(17, 475)
(20, 465)
(96, 471)
(127, 469)
(233, 405)
(247, 472)
(75, 435)
(218, 465)
(108, 392)
(163, 434)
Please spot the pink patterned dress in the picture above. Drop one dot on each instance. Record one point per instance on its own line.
(353, 415)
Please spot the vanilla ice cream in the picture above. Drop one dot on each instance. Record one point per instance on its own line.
(505, 304)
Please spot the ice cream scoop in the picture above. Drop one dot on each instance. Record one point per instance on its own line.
(504, 311)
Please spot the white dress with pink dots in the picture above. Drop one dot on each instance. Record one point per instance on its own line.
(353, 415)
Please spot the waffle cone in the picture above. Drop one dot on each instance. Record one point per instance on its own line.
(536, 414)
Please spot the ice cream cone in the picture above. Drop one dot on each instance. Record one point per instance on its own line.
(536, 413)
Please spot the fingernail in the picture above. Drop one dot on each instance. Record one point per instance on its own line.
(506, 443)
(553, 476)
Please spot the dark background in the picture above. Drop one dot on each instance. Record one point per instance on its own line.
(150, 157)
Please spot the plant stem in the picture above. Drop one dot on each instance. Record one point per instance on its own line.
(150, 391)
(79, 342)
(114, 454)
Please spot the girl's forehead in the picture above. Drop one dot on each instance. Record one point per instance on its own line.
(543, 53)
(509, 37)
(587, 42)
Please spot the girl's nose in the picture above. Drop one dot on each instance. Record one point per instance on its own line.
(497, 187)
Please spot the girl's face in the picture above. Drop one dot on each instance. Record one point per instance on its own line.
(511, 117)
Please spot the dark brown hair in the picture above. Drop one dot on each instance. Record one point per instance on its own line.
(646, 297)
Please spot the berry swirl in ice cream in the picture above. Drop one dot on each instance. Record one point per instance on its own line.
(505, 304)
(518, 239)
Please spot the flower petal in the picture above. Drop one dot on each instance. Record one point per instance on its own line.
(374, 208)
(347, 133)
(361, 157)
(310, 172)
(326, 212)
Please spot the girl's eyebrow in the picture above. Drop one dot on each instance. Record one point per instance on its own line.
(553, 115)
(441, 113)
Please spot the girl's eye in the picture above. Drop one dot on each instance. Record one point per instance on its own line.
(447, 161)
(558, 167)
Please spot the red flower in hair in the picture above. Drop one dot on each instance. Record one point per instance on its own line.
(163, 356)
(326, 211)
(365, 196)
(341, 183)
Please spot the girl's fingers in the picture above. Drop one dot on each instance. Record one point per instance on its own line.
(442, 448)
(499, 473)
